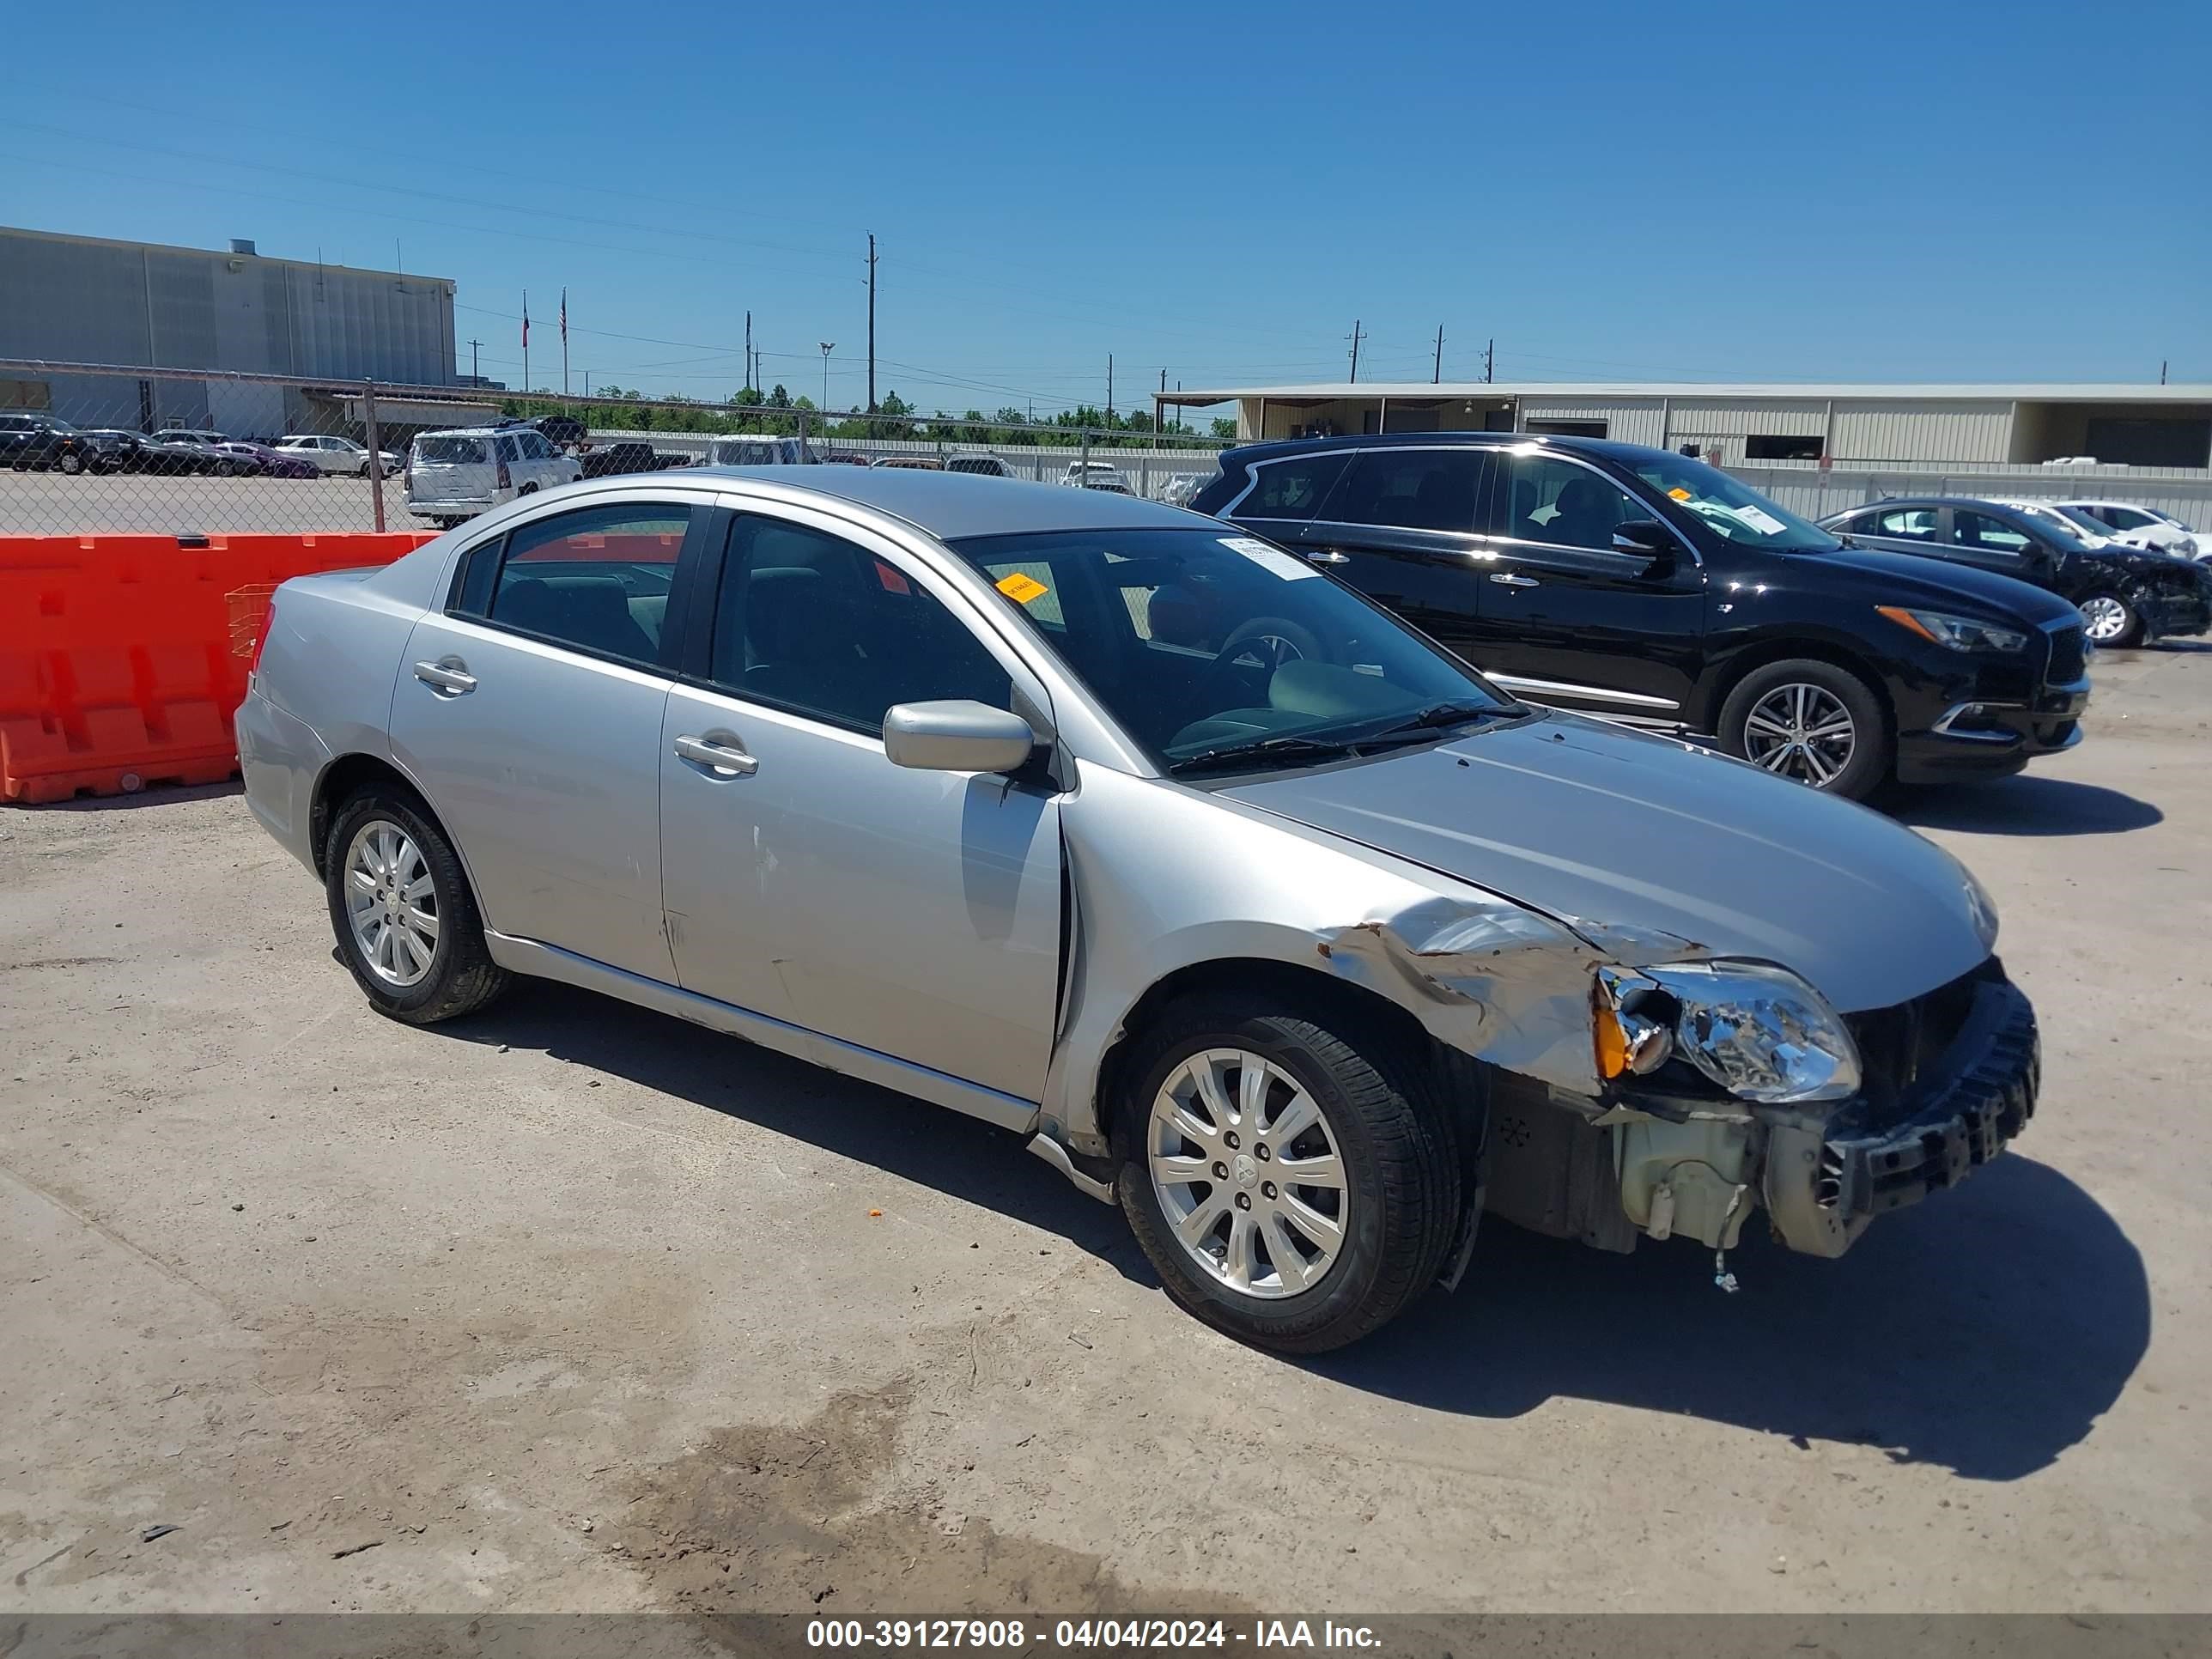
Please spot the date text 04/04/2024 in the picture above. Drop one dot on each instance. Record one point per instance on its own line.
(1080, 1633)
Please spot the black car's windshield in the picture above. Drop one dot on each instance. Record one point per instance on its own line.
(1722, 505)
(1201, 644)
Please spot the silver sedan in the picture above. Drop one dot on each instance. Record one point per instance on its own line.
(1254, 911)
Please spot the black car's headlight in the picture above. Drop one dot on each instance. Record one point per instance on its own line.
(1959, 633)
(1757, 1030)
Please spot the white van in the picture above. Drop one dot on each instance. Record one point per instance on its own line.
(451, 476)
(756, 451)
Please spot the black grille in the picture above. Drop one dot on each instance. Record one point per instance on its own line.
(1896, 1045)
(2067, 657)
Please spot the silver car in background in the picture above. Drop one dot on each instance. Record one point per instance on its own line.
(1250, 908)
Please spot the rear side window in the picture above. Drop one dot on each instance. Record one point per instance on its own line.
(534, 447)
(598, 579)
(1294, 489)
(450, 452)
(1411, 489)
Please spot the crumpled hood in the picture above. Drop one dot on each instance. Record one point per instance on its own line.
(1622, 834)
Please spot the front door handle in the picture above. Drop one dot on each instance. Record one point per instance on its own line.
(723, 758)
(1328, 555)
(448, 676)
(1505, 580)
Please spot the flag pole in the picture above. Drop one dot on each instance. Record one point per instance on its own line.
(526, 343)
(564, 342)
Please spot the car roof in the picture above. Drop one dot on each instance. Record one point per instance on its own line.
(953, 505)
(1610, 448)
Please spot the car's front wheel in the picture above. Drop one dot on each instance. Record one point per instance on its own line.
(406, 922)
(1810, 720)
(2110, 622)
(69, 462)
(1291, 1183)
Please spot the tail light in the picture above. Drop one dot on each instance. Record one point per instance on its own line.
(504, 480)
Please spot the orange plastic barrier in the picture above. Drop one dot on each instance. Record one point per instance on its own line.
(123, 658)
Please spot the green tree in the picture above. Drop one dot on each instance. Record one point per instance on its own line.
(1225, 428)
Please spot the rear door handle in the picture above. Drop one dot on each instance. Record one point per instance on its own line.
(724, 758)
(1504, 580)
(448, 678)
(1328, 555)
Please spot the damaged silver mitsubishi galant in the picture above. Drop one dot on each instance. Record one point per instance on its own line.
(1253, 910)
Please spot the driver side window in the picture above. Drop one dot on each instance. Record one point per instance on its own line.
(811, 623)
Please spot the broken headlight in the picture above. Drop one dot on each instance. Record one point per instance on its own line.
(1758, 1031)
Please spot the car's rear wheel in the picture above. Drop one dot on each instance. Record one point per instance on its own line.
(1290, 1186)
(2110, 621)
(406, 922)
(1810, 720)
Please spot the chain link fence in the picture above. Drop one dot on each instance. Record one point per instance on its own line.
(87, 449)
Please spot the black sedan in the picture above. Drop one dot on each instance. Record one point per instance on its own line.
(36, 441)
(2127, 596)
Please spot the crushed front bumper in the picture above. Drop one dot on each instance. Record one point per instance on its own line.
(1824, 1181)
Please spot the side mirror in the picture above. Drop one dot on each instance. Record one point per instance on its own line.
(1645, 538)
(956, 736)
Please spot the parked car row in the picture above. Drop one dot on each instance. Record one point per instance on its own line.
(34, 441)
(877, 768)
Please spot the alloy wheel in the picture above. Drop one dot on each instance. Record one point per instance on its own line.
(1247, 1173)
(1802, 731)
(2104, 618)
(392, 903)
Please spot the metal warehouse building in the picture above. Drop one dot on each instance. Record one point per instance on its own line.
(1858, 427)
(82, 300)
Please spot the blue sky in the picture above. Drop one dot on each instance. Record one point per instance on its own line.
(1853, 192)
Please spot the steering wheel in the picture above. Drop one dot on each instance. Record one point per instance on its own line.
(1265, 643)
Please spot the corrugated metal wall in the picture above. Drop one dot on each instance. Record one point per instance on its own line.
(1936, 434)
(71, 300)
(1628, 422)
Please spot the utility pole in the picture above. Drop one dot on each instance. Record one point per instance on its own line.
(828, 346)
(1109, 389)
(871, 322)
(749, 351)
(1355, 351)
(1489, 361)
(1436, 378)
(473, 375)
(2161, 371)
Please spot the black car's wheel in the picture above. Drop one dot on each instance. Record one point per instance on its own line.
(70, 461)
(1812, 721)
(406, 922)
(226, 470)
(2109, 621)
(1289, 1185)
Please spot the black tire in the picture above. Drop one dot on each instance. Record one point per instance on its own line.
(462, 977)
(526, 489)
(2131, 627)
(1854, 774)
(225, 469)
(1400, 1164)
(70, 462)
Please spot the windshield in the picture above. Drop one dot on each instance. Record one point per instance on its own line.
(1198, 642)
(2084, 524)
(1723, 505)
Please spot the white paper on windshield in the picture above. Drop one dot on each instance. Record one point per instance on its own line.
(1271, 558)
(1759, 520)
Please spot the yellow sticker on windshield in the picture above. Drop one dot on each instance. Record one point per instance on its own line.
(1679, 493)
(1022, 589)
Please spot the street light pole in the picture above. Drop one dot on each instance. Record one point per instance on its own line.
(828, 346)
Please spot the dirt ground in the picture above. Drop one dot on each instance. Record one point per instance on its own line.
(572, 1307)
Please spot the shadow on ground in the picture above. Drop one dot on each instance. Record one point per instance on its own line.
(2024, 804)
(1984, 1331)
(961, 1157)
(156, 794)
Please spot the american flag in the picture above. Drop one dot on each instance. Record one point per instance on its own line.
(526, 322)
(564, 316)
